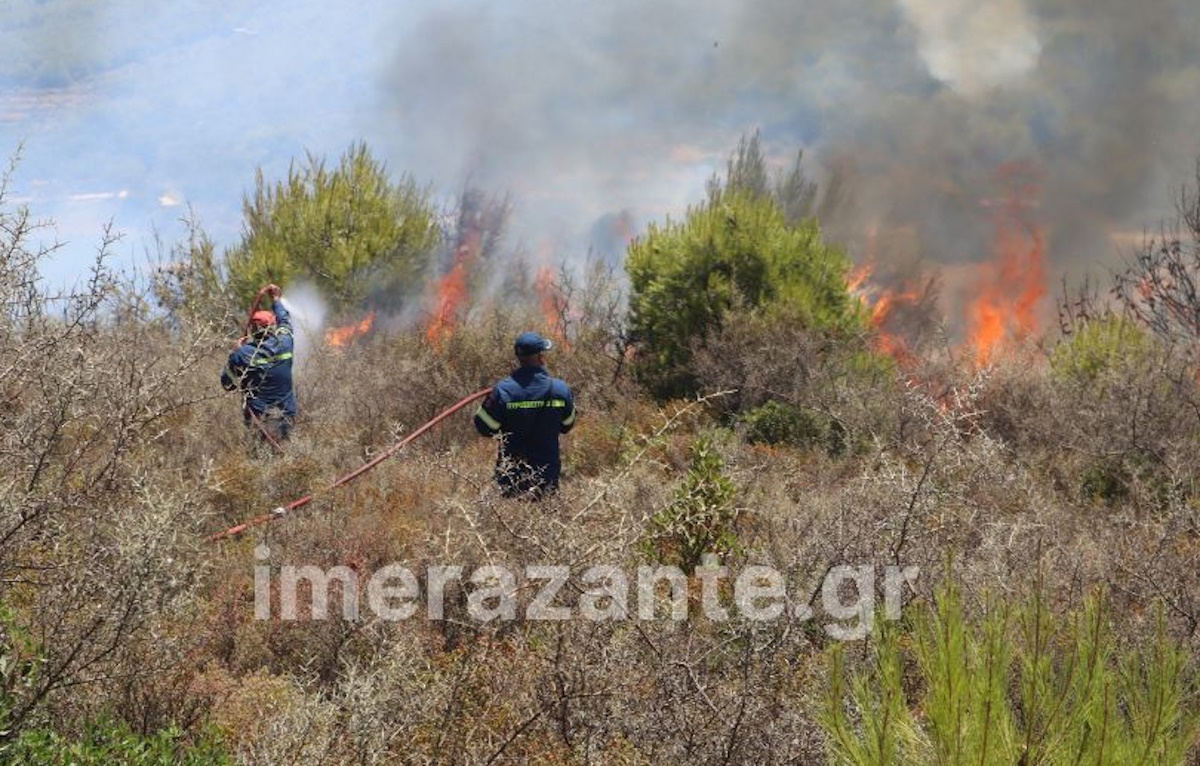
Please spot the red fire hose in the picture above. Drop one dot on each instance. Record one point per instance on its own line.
(263, 430)
(282, 511)
(255, 306)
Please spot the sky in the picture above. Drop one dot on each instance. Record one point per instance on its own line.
(135, 112)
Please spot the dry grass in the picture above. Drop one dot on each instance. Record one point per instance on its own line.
(118, 460)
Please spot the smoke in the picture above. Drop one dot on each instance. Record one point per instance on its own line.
(308, 320)
(585, 111)
(67, 42)
(974, 47)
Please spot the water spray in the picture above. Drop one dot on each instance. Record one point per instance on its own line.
(308, 312)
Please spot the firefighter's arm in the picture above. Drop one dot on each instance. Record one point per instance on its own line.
(487, 417)
(568, 418)
(282, 317)
(231, 376)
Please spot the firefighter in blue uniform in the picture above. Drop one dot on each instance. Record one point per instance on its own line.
(528, 410)
(261, 368)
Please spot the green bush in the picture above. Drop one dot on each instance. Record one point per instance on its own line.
(702, 515)
(1104, 481)
(1101, 345)
(350, 231)
(112, 743)
(778, 423)
(737, 252)
(1014, 686)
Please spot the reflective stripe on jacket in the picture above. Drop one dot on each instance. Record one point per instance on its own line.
(531, 409)
(262, 367)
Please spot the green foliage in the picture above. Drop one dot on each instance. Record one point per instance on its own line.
(886, 728)
(777, 423)
(111, 742)
(349, 231)
(746, 173)
(701, 517)
(20, 662)
(741, 252)
(1104, 480)
(1100, 345)
(1115, 359)
(102, 743)
(1011, 687)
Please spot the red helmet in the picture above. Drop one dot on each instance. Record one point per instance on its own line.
(262, 318)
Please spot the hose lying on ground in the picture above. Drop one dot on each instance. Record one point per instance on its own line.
(283, 510)
(264, 431)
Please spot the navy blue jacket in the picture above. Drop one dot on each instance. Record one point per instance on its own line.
(262, 367)
(530, 409)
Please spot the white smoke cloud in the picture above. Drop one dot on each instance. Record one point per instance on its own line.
(581, 110)
(308, 312)
(975, 46)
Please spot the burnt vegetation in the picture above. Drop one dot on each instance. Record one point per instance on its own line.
(736, 398)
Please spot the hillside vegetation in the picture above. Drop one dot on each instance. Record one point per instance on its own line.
(979, 563)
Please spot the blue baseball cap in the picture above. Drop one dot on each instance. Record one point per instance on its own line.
(530, 343)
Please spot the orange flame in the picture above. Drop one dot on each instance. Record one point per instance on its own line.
(858, 277)
(340, 337)
(882, 308)
(886, 339)
(1013, 286)
(451, 291)
(543, 286)
(548, 300)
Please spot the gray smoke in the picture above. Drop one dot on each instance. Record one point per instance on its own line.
(584, 109)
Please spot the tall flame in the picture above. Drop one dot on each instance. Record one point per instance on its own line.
(1011, 287)
(550, 303)
(450, 291)
(883, 305)
(340, 337)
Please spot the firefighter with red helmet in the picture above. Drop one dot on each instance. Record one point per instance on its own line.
(261, 368)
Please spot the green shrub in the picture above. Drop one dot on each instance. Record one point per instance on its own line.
(739, 252)
(702, 515)
(112, 743)
(778, 423)
(1101, 345)
(1104, 481)
(1014, 686)
(350, 231)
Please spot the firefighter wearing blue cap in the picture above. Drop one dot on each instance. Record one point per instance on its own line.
(528, 410)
